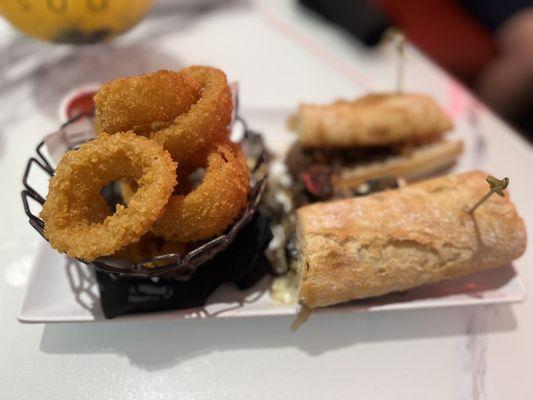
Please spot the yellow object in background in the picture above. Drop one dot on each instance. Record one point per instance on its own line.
(74, 21)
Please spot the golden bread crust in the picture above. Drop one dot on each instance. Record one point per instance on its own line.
(399, 239)
(373, 120)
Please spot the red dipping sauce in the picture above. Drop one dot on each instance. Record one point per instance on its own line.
(81, 103)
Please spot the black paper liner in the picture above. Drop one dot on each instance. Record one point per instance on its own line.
(243, 264)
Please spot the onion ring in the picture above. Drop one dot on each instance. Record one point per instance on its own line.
(210, 208)
(144, 103)
(73, 213)
(192, 134)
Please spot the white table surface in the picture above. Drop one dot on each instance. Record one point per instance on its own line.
(280, 57)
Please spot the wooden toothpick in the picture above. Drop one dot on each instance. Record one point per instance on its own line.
(397, 39)
(496, 186)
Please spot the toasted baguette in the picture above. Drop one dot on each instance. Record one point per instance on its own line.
(403, 238)
(373, 120)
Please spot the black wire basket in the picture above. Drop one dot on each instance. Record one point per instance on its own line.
(180, 267)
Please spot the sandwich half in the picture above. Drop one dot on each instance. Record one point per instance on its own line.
(399, 239)
(346, 143)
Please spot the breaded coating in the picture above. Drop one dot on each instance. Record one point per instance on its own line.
(206, 123)
(214, 205)
(74, 216)
(144, 103)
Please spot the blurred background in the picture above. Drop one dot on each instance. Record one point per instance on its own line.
(485, 44)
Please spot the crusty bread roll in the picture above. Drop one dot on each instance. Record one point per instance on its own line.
(373, 120)
(399, 239)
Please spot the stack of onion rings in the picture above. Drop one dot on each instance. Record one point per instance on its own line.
(195, 138)
(200, 116)
(171, 119)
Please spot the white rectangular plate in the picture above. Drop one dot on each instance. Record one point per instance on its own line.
(59, 291)
(56, 293)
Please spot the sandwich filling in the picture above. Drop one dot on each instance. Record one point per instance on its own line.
(321, 174)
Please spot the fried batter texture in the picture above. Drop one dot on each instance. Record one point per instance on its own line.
(77, 221)
(210, 208)
(144, 103)
(196, 137)
(194, 132)
(147, 125)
